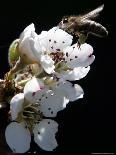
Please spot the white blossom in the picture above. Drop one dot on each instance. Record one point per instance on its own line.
(57, 43)
(50, 100)
(52, 47)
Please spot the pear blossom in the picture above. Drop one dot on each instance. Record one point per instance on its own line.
(48, 101)
(54, 51)
(70, 60)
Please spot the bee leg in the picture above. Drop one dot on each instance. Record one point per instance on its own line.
(82, 38)
(77, 36)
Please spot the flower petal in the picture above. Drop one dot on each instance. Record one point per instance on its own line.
(47, 63)
(52, 102)
(27, 31)
(44, 134)
(17, 137)
(34, 88)
(79, 56)
(41, 56)
(16, 105)
(56, 39)
(73, 92)
(25, 44)
(43, 39)
(75, 74)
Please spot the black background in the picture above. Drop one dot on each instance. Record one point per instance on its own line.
(87, 125)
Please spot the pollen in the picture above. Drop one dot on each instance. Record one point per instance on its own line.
(57, 56)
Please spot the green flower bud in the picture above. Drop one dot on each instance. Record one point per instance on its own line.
(13, 55)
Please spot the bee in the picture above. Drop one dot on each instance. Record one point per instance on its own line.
(82, 25)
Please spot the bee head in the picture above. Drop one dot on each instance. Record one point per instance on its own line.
(65, 19)
(63, 23)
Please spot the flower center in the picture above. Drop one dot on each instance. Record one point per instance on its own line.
(57, 56)
(30, 115)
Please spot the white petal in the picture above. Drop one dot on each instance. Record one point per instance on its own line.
(73, 92)
(79, 57)
(42, 57)
(43, 39)
(27, 31)
(60, 39)
(35, 48)
(52, 102)
(32, 89)
(47, 63)
(16, 105)
(25, 50)
(26, 44)
(42, 35)
(56, 39)
(44, 134)
(75, 74)
(17, 137)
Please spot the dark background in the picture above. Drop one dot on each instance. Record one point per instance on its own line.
(87, 125)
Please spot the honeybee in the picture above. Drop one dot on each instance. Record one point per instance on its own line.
(82, 25)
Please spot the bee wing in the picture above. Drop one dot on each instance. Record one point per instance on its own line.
(93, 13)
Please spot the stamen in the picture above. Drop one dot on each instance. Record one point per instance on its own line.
(58, 49)
(51, 112)
(57, 56)
(33, 94)
(67, 54)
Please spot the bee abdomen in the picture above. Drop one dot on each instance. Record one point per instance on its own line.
(97, 29)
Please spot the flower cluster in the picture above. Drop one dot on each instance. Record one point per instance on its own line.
(42, 68)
